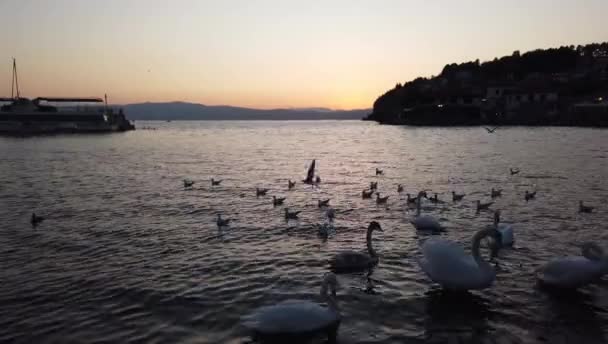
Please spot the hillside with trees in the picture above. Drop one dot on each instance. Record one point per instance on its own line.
(559, 86)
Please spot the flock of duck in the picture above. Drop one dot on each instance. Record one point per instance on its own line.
(444, 262)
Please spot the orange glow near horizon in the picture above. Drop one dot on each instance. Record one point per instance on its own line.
(269, 53)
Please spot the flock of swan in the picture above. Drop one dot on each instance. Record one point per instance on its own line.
(444, 262)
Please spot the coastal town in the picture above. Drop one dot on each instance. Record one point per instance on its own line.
(565, 86)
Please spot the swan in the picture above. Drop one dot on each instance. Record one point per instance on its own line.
(495, 193)
(514, 171)
(290, 184)
(367, 194)
(277, 201)
(215, 182)
(260, 192)
(572, 272)
(188, 183)
(399, 188)
(530, 195)
(424, 222)
(381, 200)
(222, 222)
(291, 215)
(351, 261)
(379, 171)
(447, 264)
(507, 238)
(297, 319)
(584, 208)
(36, 220)
(323, 203)
(457, 197)
(482, 206)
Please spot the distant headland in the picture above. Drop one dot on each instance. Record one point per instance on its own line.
(566, 86)
(193, 111)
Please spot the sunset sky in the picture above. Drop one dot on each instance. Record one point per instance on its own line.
(269, 53)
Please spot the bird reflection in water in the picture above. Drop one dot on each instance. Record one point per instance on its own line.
(451, 315)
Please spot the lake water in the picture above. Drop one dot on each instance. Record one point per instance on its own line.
(127, 255)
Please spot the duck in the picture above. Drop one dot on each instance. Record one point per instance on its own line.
(457, 197)
(514, 171)
(290, 184)
(277, 201)
(507, 238)
(584, 208)
(260, 192)
(188, 183)
(573, 272)
(381, 200)
(373, 185)
(424, 222)
(291, 215)
(301, 319)
(483, 206)
(352, 261)
(495, 193)
(446, 263)
(367, 194)
(215, 182)
(530, 195)
(323, 203)
(411, 200)
(379, 171)
(399, 188)
(222, 222)
(36, 220)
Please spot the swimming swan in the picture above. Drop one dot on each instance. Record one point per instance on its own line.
(446, 263)
(424, 222)
(297, 318)
(572, 272)
(351, 261)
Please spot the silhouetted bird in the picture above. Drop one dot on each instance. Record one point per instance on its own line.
(381, 200)
(491, 130)
(188, 183)
(222, 222)
(399, 188)
(290, 184)
(277, 201)
(379, 171)
(514, 170)
(260, 192)
(530, 195)
(584, 208)
(483, 206)
(291, 215)
(367, 194)
(323, 203)
(36, 220)
(215, 182)
(457, 197)
(495, 193)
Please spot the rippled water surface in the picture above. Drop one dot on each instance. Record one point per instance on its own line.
(127, 255)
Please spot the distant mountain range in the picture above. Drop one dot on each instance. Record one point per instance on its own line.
(192, 111)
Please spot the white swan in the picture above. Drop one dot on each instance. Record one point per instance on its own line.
(446, 263)
(350, 261)
(575, 271)
(424, 222)
(297, 318)
(507, 238)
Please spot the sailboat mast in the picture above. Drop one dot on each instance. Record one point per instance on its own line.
(15, 84)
